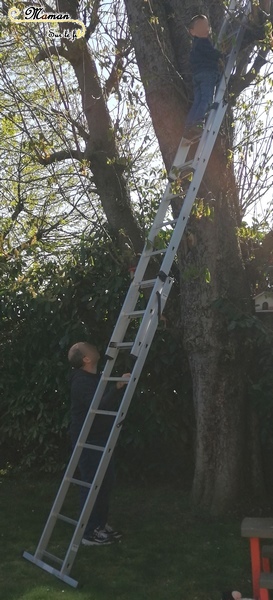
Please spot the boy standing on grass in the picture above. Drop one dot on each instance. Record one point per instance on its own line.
(205, 67)
(84, 358)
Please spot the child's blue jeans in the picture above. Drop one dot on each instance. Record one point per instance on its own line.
(203, 87)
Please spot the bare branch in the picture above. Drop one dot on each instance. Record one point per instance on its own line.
(84, 134)
(123, 48)
(238, 84)
(94, 20)
(59, 156)
(19, 207)
(36, 237)
(51, 51)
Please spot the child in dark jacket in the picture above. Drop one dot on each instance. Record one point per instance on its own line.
(204, 62)
(84, 358)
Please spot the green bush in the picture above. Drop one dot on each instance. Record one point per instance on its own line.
(44, 310)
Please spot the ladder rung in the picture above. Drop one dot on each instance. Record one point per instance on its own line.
(146, 284)
(170, 222)
(91, 447)
(78, 482)
(121, 345)
(188, 141)
(135, 314)
(66, 519)
(43, 565)
(154, 252)
(115, 379)
(165, 223)
(173, 195)
(184, 169)
(184, 142)
(53, 557)
(108, 413)
(181, 170)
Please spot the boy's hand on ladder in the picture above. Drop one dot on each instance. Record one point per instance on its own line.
(121, 384)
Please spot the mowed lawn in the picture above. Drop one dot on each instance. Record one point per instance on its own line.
(167, 551)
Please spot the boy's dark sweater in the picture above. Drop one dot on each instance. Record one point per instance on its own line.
(203, 56)
(83, 388)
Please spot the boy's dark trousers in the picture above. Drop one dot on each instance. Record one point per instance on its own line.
(88, 464)
(204, 84)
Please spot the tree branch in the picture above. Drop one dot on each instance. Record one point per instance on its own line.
(36, 237)
(238, 84)
(45, 53)
(84, 134)
(123, 48)
(59, 156)
(94, 19)
(18, 209)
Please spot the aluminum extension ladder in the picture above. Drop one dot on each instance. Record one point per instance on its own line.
(233, 27)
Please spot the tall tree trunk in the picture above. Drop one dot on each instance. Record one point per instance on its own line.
(217, 362)
(101, 150)
(216, 356)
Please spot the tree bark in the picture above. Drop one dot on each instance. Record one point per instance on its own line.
(217, 362)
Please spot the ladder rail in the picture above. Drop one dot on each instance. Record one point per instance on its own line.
(180, 157)
(228, 18)
(43, 565)
(75, 457)
(106, 457)
(206, 144)
(112, 440)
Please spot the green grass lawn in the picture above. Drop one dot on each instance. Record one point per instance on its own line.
(167, 552)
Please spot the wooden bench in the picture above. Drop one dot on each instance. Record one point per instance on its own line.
(257, 529)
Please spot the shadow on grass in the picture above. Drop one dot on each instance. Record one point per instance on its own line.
(166, 553)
